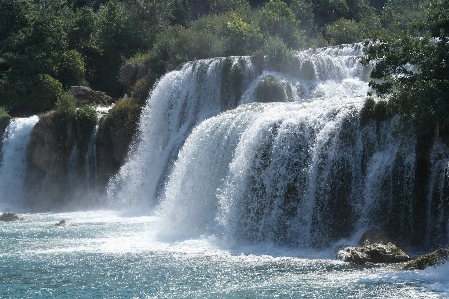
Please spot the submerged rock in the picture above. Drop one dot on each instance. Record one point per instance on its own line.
(435, 258)
(64, 223)
(10, 216)
(374, 247)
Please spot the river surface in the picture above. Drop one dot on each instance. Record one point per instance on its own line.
(118, 255)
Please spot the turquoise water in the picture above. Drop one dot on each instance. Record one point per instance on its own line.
(111, 255)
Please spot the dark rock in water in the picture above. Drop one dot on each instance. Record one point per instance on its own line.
(64, 223)
(84, 95)
(10, 216)
(374, 247)
(435, 258)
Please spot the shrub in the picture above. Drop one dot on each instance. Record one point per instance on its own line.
(115, 134)
(344, 31)
(44, 93)
(269, 89)
(65, 104)
(279, 55)
(4, 121)
(141, 89)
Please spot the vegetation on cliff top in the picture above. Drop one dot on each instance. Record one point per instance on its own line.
(411, 66)
(47, 46)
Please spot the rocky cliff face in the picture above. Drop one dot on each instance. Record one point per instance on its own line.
(60, 173)
(48, 155)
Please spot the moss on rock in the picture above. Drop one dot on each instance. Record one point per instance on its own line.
(269, 89)
(435, 258)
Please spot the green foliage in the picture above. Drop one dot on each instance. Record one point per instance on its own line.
(65, 104)
(269, 89)
(115, 133)
(279, 55)
(279, 20)
(4, 120)
(412, 72)
(141, 90)
(303, 11)
(344, 31)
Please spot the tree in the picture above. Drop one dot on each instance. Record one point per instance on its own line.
(412, 72)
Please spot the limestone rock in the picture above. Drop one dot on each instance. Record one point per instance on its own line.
(435, 258)
(132, 72)
(374, 247)
(10, 216)
(84, 95)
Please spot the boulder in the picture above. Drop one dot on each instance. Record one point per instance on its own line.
(10, 216)
(435, 258)
(132, 72)
(84, 95)
(374, 247)
(64, 223)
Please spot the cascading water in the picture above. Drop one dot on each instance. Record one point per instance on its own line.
(90, 161)
(304, 173)
(13, 162)
(181, 100)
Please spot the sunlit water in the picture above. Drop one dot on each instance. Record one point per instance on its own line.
(111, 255)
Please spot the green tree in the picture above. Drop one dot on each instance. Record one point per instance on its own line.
(278, 20)
(412, 73)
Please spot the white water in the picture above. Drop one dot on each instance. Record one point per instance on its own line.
(242, 198)
(13, 162)
(302, 173)
(108, 255)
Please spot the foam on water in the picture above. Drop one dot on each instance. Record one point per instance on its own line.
(110, 255)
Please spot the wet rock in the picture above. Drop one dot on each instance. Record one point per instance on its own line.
(10, 216)
(374, 247)
(435, 258)
(64, 223)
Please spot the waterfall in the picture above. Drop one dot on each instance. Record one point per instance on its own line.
(437, 226)
(210, 158)
(181, 100)
(13, 162)
(90, 160)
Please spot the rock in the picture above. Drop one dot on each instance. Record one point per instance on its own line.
(64, 223)
(10, 216)
(132, 72)
(84, 95)
(435, 258)
(374, 247)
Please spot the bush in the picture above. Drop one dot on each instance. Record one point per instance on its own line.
(269, 89)
(141, 89)
(279, 55)
(65, 104)
(344, 31)
(4, 121)
(115, 133)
